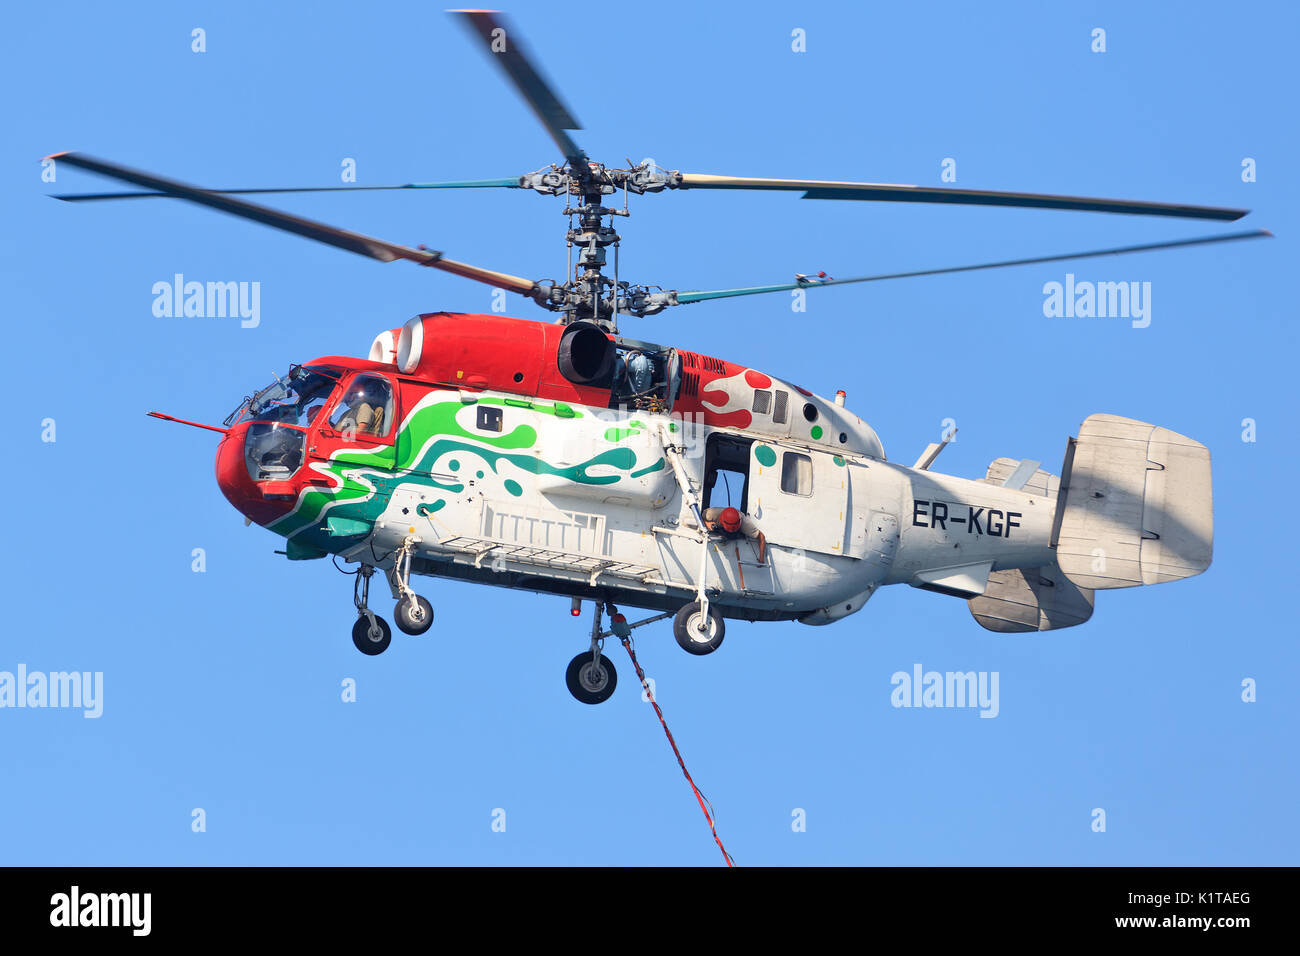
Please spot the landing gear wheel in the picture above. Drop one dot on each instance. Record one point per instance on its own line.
(371, 642)
(588, 682)
(413, 617)
(697, 633)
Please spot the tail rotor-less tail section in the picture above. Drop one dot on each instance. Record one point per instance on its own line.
(1027, 600)
(1134, 507)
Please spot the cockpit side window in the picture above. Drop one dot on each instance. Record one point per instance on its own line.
(366, 408)
(295, 399)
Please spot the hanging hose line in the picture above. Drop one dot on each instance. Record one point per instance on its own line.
(705, 805)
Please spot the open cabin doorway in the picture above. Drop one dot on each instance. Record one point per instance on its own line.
(741, 558)
(726, 472)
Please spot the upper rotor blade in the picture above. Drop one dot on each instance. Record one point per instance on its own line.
(507, 48)
(682, 298)
(512, 183)
(894, 192)
(352, 241)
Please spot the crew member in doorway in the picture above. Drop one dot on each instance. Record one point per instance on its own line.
(732, 524)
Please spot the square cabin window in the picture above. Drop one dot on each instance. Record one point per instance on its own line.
(489, 418)
(796, 474)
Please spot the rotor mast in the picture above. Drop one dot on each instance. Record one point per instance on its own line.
(587, 294)
(590, 295)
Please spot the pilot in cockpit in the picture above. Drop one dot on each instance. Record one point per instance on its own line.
(363, 410)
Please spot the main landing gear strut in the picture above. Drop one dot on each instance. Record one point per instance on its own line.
(591, 676)
(699, 627)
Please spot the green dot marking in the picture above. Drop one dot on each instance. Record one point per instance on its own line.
(766, 456)
(816, 431)
(512, 486)
(454, 465)
(478, 474)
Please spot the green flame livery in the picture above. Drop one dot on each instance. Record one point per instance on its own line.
(361, 481)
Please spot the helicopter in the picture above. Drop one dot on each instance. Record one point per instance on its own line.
(568, 459)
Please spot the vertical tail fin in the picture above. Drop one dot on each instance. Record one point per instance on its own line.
(1134, 506)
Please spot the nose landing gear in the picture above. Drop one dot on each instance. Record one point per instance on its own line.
(413, 614)
(370, 633)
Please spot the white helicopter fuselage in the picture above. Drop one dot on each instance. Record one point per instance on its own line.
(835, 525)
(717, 486)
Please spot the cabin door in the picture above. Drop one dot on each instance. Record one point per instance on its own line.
(799, 497)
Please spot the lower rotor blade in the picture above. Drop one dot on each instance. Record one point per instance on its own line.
(684, 298)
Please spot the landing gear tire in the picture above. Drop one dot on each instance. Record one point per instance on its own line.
(588, 682)
(413, 617)
(697, 633)
(371, 642)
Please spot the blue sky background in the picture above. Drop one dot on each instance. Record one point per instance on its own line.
(222, 689)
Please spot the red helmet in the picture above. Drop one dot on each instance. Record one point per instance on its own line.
(730, 520)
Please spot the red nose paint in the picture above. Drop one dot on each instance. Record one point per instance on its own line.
(236, 484)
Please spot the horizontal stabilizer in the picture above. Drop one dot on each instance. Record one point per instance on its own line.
(1002, 470)
(1024, 600)
(1020, 477)
(1134, 505)
(964, 581)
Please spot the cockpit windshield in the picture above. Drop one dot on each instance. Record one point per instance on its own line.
(294, 399)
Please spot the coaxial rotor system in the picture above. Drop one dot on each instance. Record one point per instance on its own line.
(587, 292)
